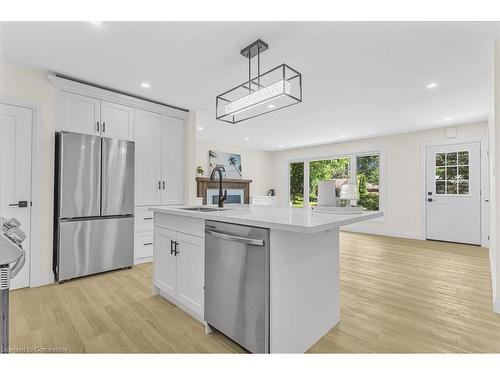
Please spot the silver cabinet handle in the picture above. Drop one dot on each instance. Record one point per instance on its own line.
(148, 218)
(98, 126)
(230, 237)
(148, 244)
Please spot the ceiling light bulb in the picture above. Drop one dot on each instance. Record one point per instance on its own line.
(145, 85)
(343, 136)
(247, 138)
(447, 119)
(271, 106)
(96, 23)
(200, 128)
(432, 85)
(280, 146)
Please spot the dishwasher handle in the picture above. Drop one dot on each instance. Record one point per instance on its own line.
(231, 237)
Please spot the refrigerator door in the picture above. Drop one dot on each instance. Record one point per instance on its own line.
(94, 245)
(79, 175)
(117, 177)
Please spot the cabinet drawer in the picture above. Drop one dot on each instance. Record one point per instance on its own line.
(188, 225)
(143, 220)
(143, 245)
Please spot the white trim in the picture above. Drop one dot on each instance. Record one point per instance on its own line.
(383, 232)
(484, 179)
(496, 305)
(37, 174)
(68, 85)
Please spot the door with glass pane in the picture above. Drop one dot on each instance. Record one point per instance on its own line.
(453, 196)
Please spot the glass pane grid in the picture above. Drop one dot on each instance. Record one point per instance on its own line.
(452, 173)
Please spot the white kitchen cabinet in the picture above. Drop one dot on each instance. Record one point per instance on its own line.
(190, 271)
(165, 265)
(179, 260)
(159, 155)
(143, 246)
(148, 161)
(172, 160)
(117, 121)
(86, 115)
(78, 113)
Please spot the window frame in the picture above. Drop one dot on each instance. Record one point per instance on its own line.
(352, 173)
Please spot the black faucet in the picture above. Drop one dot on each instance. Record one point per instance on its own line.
(222, 197)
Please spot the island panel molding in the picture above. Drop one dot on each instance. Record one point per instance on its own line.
(204, 183)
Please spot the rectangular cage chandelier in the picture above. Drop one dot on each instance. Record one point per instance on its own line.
(275, 89)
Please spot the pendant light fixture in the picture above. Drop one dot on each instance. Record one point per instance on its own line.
(275, 89)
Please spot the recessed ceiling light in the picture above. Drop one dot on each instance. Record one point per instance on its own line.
(271, 106)
(247, 138)
(431, 85)
(280, 146)
(343, 136)
(447, 119)
(145, 85)
(96, 23)
(200, 128)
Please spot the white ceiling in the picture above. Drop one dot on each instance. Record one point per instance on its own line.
(359, 78)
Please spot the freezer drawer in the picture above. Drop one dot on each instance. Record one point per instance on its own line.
(78, 175)
(92, 246)
(117, 177)
(237, 283)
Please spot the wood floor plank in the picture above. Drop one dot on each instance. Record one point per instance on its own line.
(397, 296)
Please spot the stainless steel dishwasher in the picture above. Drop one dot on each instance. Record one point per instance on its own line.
(237, 283)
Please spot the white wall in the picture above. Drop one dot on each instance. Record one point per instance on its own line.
(494, 126)
(26, 85)
(256, 164)
(403, 188)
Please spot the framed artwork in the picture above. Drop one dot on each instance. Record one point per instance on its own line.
(230, 162)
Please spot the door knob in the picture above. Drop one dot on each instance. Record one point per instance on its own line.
(19, 204)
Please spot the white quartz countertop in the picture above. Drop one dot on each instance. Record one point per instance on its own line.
(303, 220)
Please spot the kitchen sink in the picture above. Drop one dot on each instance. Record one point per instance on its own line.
(202, 209)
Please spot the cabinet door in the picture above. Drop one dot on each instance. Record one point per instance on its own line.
(172, 161)
(148, 128)
(164, 265)
(117, 121)
(143, 246)
(190, 271)
(78, 113)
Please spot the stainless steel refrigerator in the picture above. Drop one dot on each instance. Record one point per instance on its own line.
(93, 205)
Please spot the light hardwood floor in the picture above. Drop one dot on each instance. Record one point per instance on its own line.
(397, 295)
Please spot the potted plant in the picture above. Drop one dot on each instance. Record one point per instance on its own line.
(199, 171)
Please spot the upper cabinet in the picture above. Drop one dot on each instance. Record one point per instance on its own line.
(117, 121)
(83, 114)
(148, 143)
(159, 159)
(78, 113)
(172, 160)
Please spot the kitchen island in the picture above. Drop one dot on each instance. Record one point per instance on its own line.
(302, 269)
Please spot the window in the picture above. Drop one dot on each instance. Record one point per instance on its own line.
(296, 173)
(452, 173)
(333, 169)
(360, 169)
(368, 170)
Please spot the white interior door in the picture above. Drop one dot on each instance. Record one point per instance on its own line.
(15, 175)
(453, 197)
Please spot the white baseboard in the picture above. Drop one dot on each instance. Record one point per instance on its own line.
(383, 232)
(142, 260)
